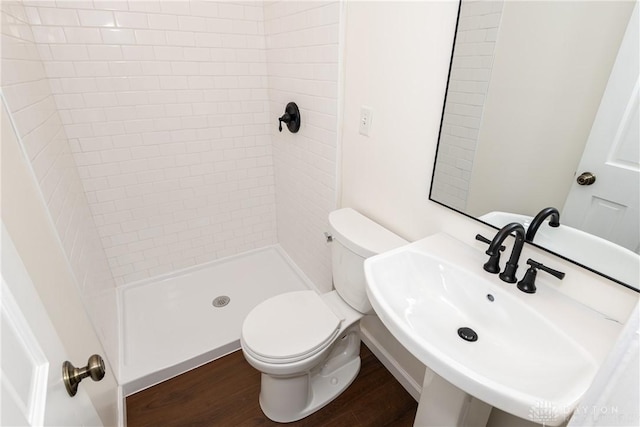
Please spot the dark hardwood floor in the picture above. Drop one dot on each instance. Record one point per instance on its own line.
(225, 393)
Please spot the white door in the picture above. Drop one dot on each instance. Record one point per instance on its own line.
(33, 393)
(609, 207)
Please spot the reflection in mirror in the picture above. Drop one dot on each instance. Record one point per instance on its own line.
(538, 94)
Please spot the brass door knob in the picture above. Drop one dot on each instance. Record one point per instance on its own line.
(586, 178)
(72, 375)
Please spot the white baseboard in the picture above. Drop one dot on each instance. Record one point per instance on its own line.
(122, 408)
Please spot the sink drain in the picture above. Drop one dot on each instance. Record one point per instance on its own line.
(221, 301)
(468, 334)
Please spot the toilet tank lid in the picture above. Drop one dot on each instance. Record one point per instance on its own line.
(360, 234)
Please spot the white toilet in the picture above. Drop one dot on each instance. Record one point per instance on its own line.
(306, 345)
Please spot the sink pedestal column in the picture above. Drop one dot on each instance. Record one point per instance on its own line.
(443, 404)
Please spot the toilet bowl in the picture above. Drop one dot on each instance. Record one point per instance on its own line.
(307, 346)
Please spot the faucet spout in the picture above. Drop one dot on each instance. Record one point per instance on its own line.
(554, 221)
(509, 273)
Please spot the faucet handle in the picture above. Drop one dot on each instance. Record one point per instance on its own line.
(527, 284)
(493, 265)
(483, 239)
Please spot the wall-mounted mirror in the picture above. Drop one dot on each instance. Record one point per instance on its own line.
(540, 92)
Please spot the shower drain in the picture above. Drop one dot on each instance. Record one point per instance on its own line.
(221, 301)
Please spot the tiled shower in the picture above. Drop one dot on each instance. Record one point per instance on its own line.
(151, 127)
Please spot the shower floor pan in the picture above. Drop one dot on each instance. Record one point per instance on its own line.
(180, 321)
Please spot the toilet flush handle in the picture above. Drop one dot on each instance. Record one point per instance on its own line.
(328, 236)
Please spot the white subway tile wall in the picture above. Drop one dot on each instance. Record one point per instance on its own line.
(468, 85)
(302, 60)
(29, 101)
(165, 104)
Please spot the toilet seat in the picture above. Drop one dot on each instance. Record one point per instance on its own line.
(289, 327)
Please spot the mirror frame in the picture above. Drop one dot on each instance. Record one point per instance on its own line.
(444, 103)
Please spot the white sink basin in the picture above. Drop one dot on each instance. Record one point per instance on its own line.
(593, 251)
(522, 361)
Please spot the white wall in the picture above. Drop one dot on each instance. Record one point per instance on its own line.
(165, 106)
(27, 96)
(401, 73)
(302, 60)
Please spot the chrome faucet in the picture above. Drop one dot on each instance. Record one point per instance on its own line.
(509, 273)
(554, 221)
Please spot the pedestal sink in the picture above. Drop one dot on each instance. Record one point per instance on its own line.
(514, 351)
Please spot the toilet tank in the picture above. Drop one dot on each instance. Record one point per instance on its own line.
(355, 238)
